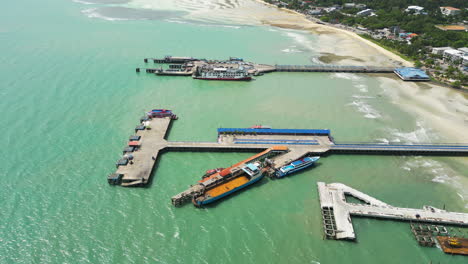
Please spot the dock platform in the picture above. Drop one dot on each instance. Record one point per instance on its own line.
(337, 212)
(255, 69)
(138, 171)
(300, 142)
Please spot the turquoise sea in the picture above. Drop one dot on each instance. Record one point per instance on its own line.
(71, 97)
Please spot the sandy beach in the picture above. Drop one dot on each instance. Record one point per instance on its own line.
(348, 47)
(444, 109)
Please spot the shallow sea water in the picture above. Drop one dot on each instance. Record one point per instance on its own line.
(71, 98)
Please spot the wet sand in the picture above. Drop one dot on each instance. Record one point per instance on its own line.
(349, 47)
(445, 109)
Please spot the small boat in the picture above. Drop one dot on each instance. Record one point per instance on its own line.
(261, 127)
(250, 174)
(208, 173)
(296, 166)
(161, 113)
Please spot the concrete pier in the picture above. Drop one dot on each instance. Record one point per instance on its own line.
(333, 68)
(337, 212)
(259, 69)
(300, 142)
(151, 142)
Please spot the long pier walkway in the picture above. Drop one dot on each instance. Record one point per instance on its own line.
(333, 68)
(337, 212)
(143, 149)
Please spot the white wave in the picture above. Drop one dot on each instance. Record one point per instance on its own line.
(316, 61)
(365, 108)
(291, 50)
(160, 234)
(301, 39)
(363, 96)
(420, 135)
(362, 88)
(83, 2)
(176, 21)
(383, 140)
(440, 172)
(92, 13)
(176, 234)
(347, 76)
(461, 196)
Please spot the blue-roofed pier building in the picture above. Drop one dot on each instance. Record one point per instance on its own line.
(412, 74)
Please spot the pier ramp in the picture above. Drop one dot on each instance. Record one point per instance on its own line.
(337, 212)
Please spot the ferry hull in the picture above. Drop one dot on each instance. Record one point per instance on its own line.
(248, 78)
(213, 199)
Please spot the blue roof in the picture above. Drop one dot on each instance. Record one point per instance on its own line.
(252, 166)
(275, 131)
(412, 73)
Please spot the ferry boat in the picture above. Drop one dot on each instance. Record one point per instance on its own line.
(250, 174)
(224, 74)
(296, 166)
(161, 113)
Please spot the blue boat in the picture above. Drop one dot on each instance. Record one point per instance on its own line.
(296, 166)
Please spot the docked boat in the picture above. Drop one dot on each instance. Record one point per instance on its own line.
(224, 74)
(161, 113)
(296, 166)
(249, 174)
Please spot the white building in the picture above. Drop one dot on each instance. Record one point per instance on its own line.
(364, 12)
(361, 6)
(449, 11)
(418, 10)
(349, 5)
(464, 50)
(453, 55)
(315, 12)
(441, 50)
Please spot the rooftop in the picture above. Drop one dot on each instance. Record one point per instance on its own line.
(451, 27)
(449, 8)
(412, 73)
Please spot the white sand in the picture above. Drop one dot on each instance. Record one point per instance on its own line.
(332, 40)
(446, 110)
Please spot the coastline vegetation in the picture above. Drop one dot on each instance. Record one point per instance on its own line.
(391, 15)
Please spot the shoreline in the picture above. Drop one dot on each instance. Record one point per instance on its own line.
(308, 24)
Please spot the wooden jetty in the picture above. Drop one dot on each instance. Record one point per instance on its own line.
(300, 142)
(337, 212)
